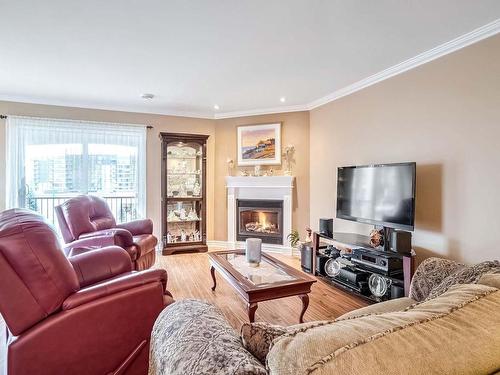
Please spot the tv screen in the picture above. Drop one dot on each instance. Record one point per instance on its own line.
(381, 194)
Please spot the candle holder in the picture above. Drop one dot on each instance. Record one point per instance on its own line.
(253, 251)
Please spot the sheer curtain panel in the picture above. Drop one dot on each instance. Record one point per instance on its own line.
(51, 160)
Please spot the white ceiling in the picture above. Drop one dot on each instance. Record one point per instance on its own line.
(240, 54)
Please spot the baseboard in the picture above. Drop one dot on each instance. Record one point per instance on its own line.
(271, 248)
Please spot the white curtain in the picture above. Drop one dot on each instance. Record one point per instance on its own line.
(49, 160)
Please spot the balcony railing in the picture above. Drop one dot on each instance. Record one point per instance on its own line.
(124, 208)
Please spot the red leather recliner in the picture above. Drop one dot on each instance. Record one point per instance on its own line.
(86, 222)
(89, 314)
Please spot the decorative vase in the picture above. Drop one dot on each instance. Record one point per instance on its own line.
(253, 251)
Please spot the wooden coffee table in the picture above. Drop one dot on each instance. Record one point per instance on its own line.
(272, 279)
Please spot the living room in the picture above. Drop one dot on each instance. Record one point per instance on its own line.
(170, 169)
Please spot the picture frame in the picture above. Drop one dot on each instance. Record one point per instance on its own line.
(259, 144)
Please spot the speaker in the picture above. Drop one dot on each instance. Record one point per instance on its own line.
(306, 258)
(400, 242)
(320, 264)
(397, 291)
(326, 227)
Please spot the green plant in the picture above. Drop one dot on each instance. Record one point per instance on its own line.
(293, 237)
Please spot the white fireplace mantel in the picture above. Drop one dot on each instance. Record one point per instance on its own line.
(265, 187)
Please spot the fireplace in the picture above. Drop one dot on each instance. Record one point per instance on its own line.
(260, 219)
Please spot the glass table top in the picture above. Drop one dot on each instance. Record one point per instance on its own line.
(265, 273)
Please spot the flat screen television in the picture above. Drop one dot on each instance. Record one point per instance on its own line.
(382, 194)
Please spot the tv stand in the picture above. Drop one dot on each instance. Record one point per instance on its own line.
(353, 240)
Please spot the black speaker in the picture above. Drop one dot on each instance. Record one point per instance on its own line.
(306, 258)
(326, 227)
(400, 242)
(397, 291)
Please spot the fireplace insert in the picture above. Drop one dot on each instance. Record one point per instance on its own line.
(260, 219)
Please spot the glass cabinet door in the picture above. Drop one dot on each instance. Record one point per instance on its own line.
(184, 193)
(184, 163)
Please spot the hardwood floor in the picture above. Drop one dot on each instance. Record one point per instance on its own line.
(189, 277)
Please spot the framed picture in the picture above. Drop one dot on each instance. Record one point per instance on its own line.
(259, 144)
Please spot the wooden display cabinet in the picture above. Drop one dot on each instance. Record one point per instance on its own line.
(183, 176)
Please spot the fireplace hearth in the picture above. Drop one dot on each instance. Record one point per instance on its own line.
(260, 219)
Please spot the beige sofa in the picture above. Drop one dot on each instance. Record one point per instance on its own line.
(450, 324)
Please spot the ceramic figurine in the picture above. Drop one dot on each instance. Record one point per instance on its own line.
(197, 236)
(172, 216)
(182, 214)
(169, 237)
(192, 215)
(244, 173)
(183, 235)
(288, 154)
(230, 166)
(256, 171)
(196, 189)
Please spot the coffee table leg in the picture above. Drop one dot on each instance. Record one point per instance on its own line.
(251, 308)
(212, 272)
(305, 303)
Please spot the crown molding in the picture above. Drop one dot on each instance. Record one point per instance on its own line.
(119, 108)
(456, 44)
(263, 111)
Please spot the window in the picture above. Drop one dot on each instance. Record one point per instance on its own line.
(49, 161)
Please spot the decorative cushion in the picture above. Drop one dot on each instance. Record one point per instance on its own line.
(192, 337)
(429, 274)
(258, 337)
(437, 333)
(464, 275)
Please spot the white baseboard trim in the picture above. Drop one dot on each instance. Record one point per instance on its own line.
(271, 248)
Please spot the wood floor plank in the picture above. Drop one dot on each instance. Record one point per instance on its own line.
(189, 277)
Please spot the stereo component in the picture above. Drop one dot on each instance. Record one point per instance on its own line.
(379, 285)
(306, 258)
(332, 267)
(326, 227)
(378, 261)
(400, 242)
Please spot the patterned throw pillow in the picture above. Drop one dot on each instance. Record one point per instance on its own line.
(465, 275)
(257, 338)
(192, 337)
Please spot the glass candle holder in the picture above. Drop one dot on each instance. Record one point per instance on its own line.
(253, 251)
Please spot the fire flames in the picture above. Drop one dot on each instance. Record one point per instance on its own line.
(262, 225)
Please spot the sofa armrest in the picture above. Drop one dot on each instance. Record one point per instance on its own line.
(113, 286)
(120, 236)
(429, 274)
(138, 227)
(97, 265)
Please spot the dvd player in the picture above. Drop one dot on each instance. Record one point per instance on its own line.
(377, 261)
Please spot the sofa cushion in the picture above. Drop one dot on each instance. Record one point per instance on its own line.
(397, 304)
(192, 337)
(437, 333)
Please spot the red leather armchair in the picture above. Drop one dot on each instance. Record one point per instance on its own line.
(89, 314)
(86, 222)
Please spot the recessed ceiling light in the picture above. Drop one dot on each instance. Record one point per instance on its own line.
(282, 99)
(147, 96)
(216, 107)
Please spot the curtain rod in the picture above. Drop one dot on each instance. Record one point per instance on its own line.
(4, 117)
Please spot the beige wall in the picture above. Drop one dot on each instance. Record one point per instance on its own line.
(295, 131)
(160, 124)
(445, 115)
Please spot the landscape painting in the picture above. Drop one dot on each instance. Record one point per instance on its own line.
(259, 144)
